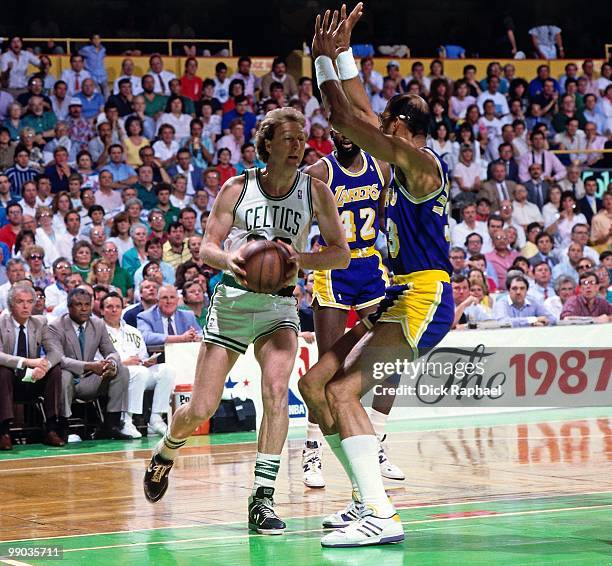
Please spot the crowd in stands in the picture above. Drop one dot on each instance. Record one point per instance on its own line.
(106, 189)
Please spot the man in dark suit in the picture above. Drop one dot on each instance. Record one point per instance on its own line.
(183, 166)
(506, 158)
(545, 244)
(164, 324)
(23, 338)
(537, 188)
(80, 336)
(590, 205)
(498, 188)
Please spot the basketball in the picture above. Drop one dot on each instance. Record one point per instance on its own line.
(266, 265)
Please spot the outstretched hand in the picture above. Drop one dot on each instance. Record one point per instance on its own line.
(346, 26)
(324, 40)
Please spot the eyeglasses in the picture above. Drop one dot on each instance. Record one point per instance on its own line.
(35, 257)
(581, 232)
(44, 215)
(103, 270)
(109, 251)
(589, 283)
(501, 238)
(584, 266)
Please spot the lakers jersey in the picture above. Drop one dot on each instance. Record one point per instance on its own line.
(356, 195)
(417, 228)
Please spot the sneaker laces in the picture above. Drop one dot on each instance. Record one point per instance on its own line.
(158, 472)
(311, 459)
(382, 457)
(265, 507)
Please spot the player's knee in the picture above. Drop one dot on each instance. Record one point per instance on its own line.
(275, 393)
(198, 412)
(337, 393)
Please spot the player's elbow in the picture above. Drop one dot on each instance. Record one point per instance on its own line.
(344, 256)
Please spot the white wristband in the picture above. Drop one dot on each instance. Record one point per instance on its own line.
(347, 68)
(324, 68)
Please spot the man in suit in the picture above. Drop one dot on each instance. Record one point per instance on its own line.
(497, 189)
(590, 205)
(537, 188)
(193, 174)
(80, 336)
(506, 158)
(164, 324)
(545, 244)
(23, 337)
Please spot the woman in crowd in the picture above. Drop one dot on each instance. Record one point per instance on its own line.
(441, 144)
(561, 228)
(319, 140)
(175, 116)
(12, 122)
(200, 146)
(460, 101)
(472, 119)
(550, 211)
(134, 141)
(46, 236)
(522, 264)
(120, 233)
(224, 167)
(101, 274)
(60, 205)
(87, 172)
(82, 256)
(477, 277)
(236, 88)
(35, 258)
(512, 234)
(465, 135)
(518, 91)
(24, 239)
(133, 207)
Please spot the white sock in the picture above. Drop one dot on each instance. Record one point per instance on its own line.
(168, 446)
(313, 433)
(127, 418)
(362, 454)
(335, 444)
(266, 470)
(379, 421)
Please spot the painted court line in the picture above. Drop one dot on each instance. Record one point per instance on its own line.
(442, 428)
(406, 508)
(307, 531)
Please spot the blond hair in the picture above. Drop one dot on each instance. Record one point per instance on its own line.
(269, 124)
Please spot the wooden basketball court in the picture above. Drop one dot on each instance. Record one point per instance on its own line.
(511, 488)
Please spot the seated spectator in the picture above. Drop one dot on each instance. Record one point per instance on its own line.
(601, 226)
(145, 373)
(187, 218)
(524, 212)
(441, 144)
(166, 147)
(193, 175)
(176, 250)
(518, 309)
(505, 154)
(234, 140)
(562, 227)
(541, 287)
(199, 145)
(319, 140)
(120, 234)
(15, 271)
(501, 258)
(123, 174)
(533, 230)
(241, 112)
(175, 116)
(92, 102)
(40, 120)
(191, 84)
(224, 167)
(123, 99)
(153, 249)
(101, 276)
(21, 172)
(134, 141)
(28, 201)
(574, 263)
(473, 243)
(460, 101)
(278, 74)
(593, 141)
(80, 336)
(499, 188)
(477, 276)
(506, 211)
(545, 245)
(127, 72)
(24, 336)
(164, 324)
(552, 168)
(137, 255)
(463, 300)
(537, 189)
(565, 287)
(35, 258)
(580, 235)
(590, 205)
(572, 138)
(82, 257)
(119, 276)
(249, 159)
(164, 204)
(195, 300)
(148, 298)
(457, 259)
(145, 187)
(587, 304)
(550, 211)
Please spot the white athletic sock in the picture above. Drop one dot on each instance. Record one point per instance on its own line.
(335, 444)
(379, 421)
(168, 446)
(362, 454)
(313, 433)
(266, 470)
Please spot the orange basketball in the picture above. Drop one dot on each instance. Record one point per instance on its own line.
(266, 265)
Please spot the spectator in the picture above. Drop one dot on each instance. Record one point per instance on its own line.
(517, 309)
(148, 298)
(28, 201)
(278, 74)
(541, 288)
(565, 287)
(562, 227)
(97, 235)
(462, 231)
(506, 211)
(164, 205)
(499, 188)
(191, 84)
(537, 189)
(8, 233)
(572, 138)
(21, 171)
(25, 336)
(123, 174)
(119, 276)
(194, 299)
(380, 100)
(75, 76)
(60, 171)
(460, 101)
(145, 187)
(175, 116)
(552, 168)
(134, 141)
(441, 144)
(572, 263)
(199, 145)
(601, 226)
(524, 212)
(550, 211)
(134, 257)
(80, 336)
(192, 175)
(15, 271)
(160, 78)
(533, 230)
(35, 258)
(127, 72)
(545, 245)
(501, 258)
(221, 83)
(587, 304)
(463, 300)
(249, 159)
(154, 102)
(224, 167)
(580, 235)
(144, 373)
(590, 205)
(92, 102)
(499, 100)
(457, 259)
(101, 276)
(164, 324)
(14, 65)
(176, 250)
(243, 72)
(593, 141)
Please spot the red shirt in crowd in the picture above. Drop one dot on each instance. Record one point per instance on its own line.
(225, 172)
(191, 87)
(8, 236)
(322, 146)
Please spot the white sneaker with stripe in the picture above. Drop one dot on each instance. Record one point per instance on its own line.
(352, 512)
(369, 530)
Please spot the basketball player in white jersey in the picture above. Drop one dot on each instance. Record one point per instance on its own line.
(276, 203)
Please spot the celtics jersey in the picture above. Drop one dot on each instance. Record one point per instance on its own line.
(259, 216)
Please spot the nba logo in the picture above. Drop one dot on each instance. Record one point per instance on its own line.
(299, 193)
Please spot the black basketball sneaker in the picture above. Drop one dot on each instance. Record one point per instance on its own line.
(156, 478)
(262, 517)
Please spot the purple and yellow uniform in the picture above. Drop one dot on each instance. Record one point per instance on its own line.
(363, 282)
(421, 297)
